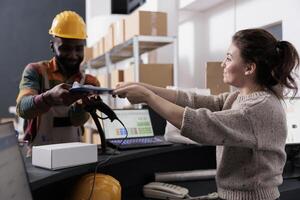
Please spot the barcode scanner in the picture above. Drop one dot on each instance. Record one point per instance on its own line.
(102, 107)
(92, 105)
(97, 103)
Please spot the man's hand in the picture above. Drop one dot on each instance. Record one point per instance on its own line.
(60, 95)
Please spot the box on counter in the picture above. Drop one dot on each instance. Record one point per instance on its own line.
(58, 156)
(145, 23)
(160, 75)
(214, 78)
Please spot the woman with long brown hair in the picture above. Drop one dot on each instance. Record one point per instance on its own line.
(248, 125)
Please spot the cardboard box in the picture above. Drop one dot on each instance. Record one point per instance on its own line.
(145, 23)
(95, 50)
(160, 75)
(101, 46)
(96, 138)
(86, 137)
(155, 74)
(214, 78)
(88, 53)
(117, 76)
(119, 32)
(98, 48)
(109, 39)
(103, 80)
(129, 74)
(58, 156)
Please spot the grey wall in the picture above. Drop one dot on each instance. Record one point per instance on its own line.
(276, 30)
(24, 38)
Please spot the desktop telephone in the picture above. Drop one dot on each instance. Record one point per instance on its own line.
(164, 191)
(159, 190)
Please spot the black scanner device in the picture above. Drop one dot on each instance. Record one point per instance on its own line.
(95, 103)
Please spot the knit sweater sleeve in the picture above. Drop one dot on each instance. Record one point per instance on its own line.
(193, 100)
(227, 127)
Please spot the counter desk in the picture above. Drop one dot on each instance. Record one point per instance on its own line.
(134, 168)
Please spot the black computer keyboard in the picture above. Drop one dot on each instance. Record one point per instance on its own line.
(138, 140)
(131, 143)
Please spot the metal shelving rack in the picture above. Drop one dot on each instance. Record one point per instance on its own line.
(134, 48)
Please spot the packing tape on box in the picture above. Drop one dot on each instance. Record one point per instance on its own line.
(153, 23)
(185, 175)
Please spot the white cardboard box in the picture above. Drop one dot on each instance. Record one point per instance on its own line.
(57, 156)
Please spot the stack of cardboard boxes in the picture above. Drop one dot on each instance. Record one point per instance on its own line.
(138, 23)
(146, 23)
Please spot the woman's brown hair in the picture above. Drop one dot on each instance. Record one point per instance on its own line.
(275, 60)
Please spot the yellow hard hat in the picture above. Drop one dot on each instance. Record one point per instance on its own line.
(105, 188)
(68, 24)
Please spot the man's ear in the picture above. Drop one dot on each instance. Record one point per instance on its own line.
(51, 45)
(250, 68)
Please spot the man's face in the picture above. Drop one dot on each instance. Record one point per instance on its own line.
(69, 54)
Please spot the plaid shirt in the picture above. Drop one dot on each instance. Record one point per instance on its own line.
(30, 104)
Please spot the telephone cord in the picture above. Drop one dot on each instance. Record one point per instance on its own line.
(107, 159)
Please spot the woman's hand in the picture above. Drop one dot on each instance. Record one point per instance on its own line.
(134, 92)
(138, 93)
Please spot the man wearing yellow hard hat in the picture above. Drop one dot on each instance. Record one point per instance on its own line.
(52, 113)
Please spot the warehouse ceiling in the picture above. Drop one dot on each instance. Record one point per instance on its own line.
(198, 5)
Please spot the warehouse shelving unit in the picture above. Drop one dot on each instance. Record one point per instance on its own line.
(134, 48)
(130, 49)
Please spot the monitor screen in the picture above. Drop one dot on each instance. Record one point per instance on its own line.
(137, 122)
(292, 108)
(14, 184)
(125, 6)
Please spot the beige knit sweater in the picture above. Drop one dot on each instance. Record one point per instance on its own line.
(250, 131)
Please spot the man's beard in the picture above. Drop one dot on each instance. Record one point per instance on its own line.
(68, 68)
